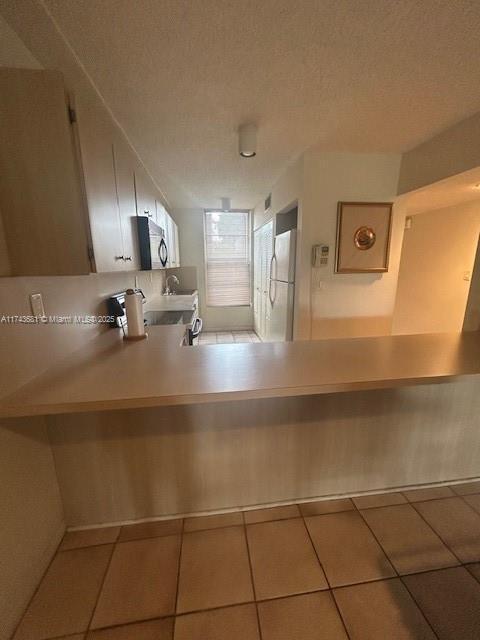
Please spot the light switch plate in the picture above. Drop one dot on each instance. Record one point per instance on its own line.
(36, 304)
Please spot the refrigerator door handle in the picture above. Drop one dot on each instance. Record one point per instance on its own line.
(274, 257)
(271, 280)
(272, 300)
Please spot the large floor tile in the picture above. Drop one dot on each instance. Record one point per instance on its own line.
(230, 623)
(214, 570)
(326, 506)
(456, 523)
(283, 559)
(149, 630)
(474, 570)
(89, 538)
(474, 501)
(467, 488)
(271, 513)
(141, 582)
(66, 597)
(431, 493)
(410, 544)
(382, 611)
(150, 529)
(214, 521)
(313, 616)
(378, 500)
(347, 549)
(450, 600)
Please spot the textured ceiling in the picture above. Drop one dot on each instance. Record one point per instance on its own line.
(358, 75)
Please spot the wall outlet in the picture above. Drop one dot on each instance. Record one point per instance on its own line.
(36, 304)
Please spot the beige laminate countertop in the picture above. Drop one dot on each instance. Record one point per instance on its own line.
(113, 374)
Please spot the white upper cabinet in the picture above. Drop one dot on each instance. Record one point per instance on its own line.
(71, 188)
(96, 136)
(145, 192)
(125, 183)
(44, 213)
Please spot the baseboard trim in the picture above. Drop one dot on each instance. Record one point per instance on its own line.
(336, 496)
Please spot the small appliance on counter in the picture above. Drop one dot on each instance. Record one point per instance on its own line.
(117, 308)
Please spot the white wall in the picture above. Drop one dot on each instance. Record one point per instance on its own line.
(345, 305)
(437, 250)
(329, 305)
(31, 514)
(190, 230)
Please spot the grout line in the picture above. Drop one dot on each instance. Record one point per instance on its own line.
(178, 577)
(398, 575)
(37, 588)
(330, 590)
(476, 511)
(437, 533)
(251, 575)
(100, 589)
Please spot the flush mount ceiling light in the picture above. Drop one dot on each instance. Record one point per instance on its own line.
(247, 140)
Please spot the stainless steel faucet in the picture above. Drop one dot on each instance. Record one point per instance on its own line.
(168, 290)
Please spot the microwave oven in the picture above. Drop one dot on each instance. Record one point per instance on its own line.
(152, 244)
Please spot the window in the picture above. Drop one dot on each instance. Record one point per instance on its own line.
(227, 258)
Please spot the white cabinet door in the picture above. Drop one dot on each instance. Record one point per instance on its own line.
(171, 233)
(177, 244)
(124, 177)
(263, 251)
(145, 195)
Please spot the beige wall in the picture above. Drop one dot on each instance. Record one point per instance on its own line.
(286, 192)
(329, 305)
(450, 152)
(437, 251)
(122, 465)
(472, 312)
(346, 305)
(29, 349)
(191, 237)
(31, 514)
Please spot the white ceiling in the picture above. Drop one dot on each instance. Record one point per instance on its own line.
(357, 75)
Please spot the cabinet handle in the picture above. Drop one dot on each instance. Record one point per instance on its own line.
(148, 213)
(119, 258)
(128, 258)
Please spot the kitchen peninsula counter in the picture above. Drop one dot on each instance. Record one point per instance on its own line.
(110, 373)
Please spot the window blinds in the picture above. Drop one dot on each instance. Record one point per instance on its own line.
(227, 258)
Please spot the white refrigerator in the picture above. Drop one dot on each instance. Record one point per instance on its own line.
(281, 289)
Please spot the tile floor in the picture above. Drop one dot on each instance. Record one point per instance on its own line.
(227, 337)
(397, 566)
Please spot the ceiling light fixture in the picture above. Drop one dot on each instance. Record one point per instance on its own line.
(247, 140)
(476, 186)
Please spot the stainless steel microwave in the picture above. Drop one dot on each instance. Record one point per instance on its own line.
(152, 244)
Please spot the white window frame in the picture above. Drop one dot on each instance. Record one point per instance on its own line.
(249, 252)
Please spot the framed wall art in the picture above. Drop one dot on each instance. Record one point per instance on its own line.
(363, 237)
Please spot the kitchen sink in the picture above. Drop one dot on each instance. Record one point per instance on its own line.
(182, 292)
(168, 317)
(182, 300)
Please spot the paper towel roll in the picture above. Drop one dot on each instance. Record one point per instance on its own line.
(134, 311)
